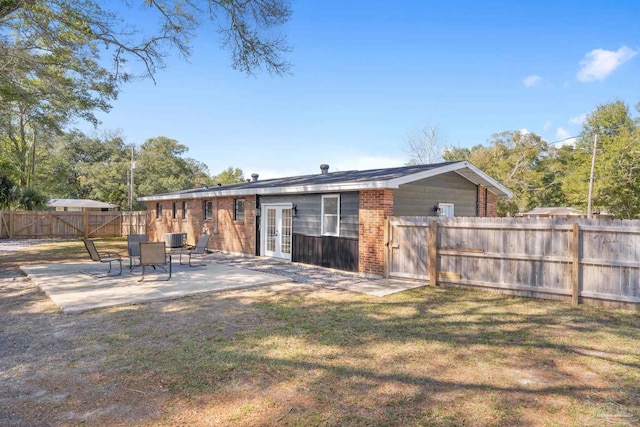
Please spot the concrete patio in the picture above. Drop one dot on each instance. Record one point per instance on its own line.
(81, 286)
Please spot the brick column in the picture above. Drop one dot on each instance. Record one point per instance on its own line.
(487, 203)
(492, 205)
(375, 207)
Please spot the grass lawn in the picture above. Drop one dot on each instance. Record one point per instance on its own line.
(303, 356)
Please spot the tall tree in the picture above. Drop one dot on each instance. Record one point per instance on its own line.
(519, 161)
(45, 83)
(230, 175)
(617, 162)
(161, 168)
(425, 146)
(50, 54)
(80, 28)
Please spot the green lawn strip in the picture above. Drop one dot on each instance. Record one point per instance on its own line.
(409, 359)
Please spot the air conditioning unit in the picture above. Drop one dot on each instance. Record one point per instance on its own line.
(175, 240)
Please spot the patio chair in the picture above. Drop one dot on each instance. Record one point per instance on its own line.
(154, 254)
(133, 247)
(104, 257)
(199, 250)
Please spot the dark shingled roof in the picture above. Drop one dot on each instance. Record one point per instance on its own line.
(340, 181)
(341, 177)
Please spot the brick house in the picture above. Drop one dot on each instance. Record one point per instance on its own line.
(329, 219)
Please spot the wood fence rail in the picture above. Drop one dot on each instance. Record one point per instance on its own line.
(54, 224)
(596, 261)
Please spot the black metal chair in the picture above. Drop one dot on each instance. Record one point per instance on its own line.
(133, 248)
(199, 250)
(154, 254)
(104, 257)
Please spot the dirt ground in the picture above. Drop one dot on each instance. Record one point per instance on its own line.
(302, 355)
(53, 368)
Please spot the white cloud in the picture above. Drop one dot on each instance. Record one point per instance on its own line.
(546, 125)
(578, 120)
(565, 137)
(524, 131)
(531, 80)
(599, 63)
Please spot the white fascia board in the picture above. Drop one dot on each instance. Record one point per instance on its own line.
(426, 174)
(492, 182)
(298, 189)
(483, 178)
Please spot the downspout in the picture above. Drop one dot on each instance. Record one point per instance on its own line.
(257, 227)
(486, 201)
(215, 223)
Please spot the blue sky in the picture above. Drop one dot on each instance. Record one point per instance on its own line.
(367, 74)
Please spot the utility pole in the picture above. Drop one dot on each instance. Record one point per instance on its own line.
(593, 165)
(133, 167)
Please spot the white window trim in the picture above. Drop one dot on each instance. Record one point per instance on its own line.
(442, 205)
(322, 230)
(204, 210)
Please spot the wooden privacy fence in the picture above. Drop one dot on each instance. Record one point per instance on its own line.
(578, 260)
(54, 224)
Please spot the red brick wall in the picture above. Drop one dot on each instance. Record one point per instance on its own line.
(487, 203)
(226, 233)
(492, 205)
(375, 207)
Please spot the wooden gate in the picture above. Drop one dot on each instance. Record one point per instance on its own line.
(407, 254)
(53, 224)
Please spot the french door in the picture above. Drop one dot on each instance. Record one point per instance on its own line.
(276, 230)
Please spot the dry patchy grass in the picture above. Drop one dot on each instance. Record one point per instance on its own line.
(303, 356)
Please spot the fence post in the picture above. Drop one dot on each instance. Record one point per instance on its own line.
(387, 247)
(575, 264)
(50, 223)
(432, 252)
(12, 220)
(85, 225)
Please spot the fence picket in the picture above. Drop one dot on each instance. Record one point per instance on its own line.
(582, 260)
(50, 224)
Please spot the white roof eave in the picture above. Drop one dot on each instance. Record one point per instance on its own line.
(464, 169)
(297, 189)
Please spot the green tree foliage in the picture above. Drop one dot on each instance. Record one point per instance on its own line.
(14, 197)
(49, 77)
(50, 56)
(617, 166)
(543, 175)
(161, 168)
(30, 199)
(520, 161)
(230, 175)
(9, 192)
(83, 30)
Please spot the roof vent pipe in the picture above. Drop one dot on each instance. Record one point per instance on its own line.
(254, 177)
(324, 169)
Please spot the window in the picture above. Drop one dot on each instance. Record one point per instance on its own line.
(184, 210)
(158, 210)
(208, 209)
(238, 210)
(445, 209)
(331, 215)
(174, 212)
